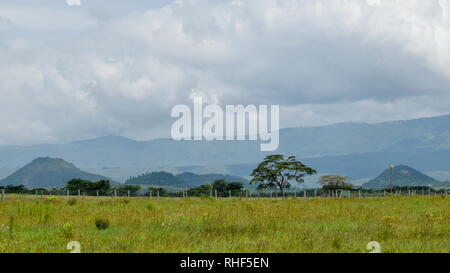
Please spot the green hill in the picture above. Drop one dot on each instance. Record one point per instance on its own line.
(48, 172)
(156, 178)
(402, 176)
(185, 179)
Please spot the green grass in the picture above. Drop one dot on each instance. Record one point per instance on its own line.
(399, 224)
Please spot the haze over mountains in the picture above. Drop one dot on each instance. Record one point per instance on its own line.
(358, 150)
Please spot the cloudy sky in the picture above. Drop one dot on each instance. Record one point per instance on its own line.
(118, 67)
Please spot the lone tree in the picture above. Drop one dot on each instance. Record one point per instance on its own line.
(276, 171)
(334, 182)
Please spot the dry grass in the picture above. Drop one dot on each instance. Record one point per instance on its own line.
(400, 224)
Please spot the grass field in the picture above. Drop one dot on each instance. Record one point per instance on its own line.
(399, 224)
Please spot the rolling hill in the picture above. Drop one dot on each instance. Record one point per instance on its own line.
(48, 172)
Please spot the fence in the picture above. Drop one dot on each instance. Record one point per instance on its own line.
(306, 193)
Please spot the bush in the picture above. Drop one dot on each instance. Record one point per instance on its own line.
(72, 201)
(149, 206)
(68, 230)
(101, 224)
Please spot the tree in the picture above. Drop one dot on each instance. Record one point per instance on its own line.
(224, 187)
(155, 191)
(220, 185)
(14, 189)
(85, 185)
(334, 182)
(133, 189)
(276, 171)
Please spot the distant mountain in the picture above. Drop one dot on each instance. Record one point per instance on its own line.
(185, 179)
(402, 176)
(355, 149)
(48, 172)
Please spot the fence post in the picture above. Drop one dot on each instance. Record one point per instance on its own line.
(42, 195)
(3, 195)
(315, 192)
(276, 194)
(216, 192)
(115, 193)
(157, 192)
(79, 192)
(128, 193)
(270, 194)
(98, 194)
(229, 193)
(68, 193)
(150, 193)
(246, 193)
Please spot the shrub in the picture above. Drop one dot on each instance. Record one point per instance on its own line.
(68, 230)
(101, 224)
(72, 201)
(149, 206)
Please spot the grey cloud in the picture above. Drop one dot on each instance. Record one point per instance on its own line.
(122, 70)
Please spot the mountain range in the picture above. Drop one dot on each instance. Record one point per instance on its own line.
(358, 150)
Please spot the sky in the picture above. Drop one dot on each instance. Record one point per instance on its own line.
(114, 67)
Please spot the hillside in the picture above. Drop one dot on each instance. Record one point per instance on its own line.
(185, 179)
(156, 178)
(402, 176)
(48, 172)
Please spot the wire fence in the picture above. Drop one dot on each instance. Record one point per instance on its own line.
(184, 193)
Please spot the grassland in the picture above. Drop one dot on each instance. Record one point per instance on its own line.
(399, 224)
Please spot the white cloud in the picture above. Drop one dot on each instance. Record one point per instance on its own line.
(121, 72)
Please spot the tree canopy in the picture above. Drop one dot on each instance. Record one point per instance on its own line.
(86, 185)
(334, 182)
(222, 187)
(276, 171)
